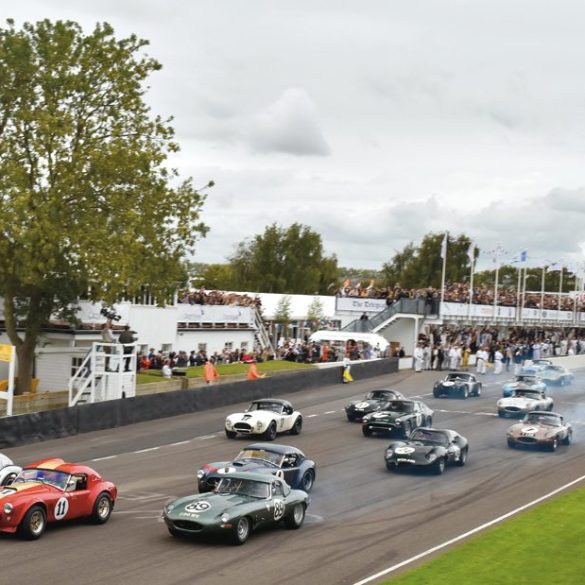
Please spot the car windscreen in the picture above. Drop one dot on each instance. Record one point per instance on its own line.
(379, 395)
(274, 458)
(460, 377)
(243, 487)
(528, 394)
(401, 406)
(48, 476)
(427, 436)
(543, 419)
(271, 406)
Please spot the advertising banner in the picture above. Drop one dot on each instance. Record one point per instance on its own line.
(359, 305)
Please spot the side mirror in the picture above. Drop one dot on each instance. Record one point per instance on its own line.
(71, 485)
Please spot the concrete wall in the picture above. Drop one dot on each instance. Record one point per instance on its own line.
(41, 426)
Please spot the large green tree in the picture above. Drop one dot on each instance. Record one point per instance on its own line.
(421, 266)
(285, 260)
(88, 204)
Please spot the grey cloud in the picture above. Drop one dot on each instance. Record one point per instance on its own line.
(289, 125)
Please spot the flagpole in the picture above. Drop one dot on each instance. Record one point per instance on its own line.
(444, 255)
(470, 286)
(518, 293)
(542, 293)
(496, 289)
(560, 286)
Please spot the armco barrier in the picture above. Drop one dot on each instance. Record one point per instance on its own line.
(53, 424)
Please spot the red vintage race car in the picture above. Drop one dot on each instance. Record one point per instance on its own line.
(51, 490)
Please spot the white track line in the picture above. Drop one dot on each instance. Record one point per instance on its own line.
(145, 450)
(104, 458)
(469, 533)
(330, 412)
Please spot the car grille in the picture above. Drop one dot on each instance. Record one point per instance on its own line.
(527, 440)
(513, 409)
(382, 426)
(188, 525)
(243, 427)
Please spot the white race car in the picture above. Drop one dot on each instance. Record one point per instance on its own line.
(523, 401)
(8, 471)
(266, 417)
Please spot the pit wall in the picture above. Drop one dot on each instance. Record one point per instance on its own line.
(52, 424)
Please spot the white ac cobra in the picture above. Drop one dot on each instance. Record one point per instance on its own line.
(8, 471)
(266, 417)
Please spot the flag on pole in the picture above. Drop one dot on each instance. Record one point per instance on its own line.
(444, 246)
(523, 257)
(471, 251)
(554, 267)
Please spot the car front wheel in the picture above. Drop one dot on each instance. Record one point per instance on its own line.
(230, 434)
(33, 524)
(241, 530)
(554, 444)
(462, 458)
(296, 518)
(567, 439)
(297, 427)
(440, 466)
(102, 509)
(307, 481)
(270, 434)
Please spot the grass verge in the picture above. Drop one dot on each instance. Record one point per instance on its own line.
(227, 370)
(544, 545)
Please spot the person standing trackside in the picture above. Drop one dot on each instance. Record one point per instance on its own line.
(481, 358)
(107, 337)
(209, 372)
(127, 339)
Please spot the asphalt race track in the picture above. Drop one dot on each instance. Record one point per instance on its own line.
(362, 518)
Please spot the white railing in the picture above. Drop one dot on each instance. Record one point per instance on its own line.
(106, 373)
(261, 332)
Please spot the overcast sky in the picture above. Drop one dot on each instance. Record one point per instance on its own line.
(373, 122)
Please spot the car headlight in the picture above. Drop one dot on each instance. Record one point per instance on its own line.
(225, 517)
(431, 456)
(499, 403)
(389, 452)
(169, 508)
(200, 474)
(259, 424)
(228, 423)
(8, 508)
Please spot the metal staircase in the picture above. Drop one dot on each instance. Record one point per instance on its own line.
(261, 335)
(104, 375)
(385, 318)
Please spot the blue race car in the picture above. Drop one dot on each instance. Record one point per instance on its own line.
(523, 380)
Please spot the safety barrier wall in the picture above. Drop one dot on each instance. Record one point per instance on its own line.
(62, 422)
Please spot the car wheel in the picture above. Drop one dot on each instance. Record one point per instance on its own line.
(33, 524)
(440, 466)
(477, 392)
(429, 421)
(174, 532)
(436, 393)
(102, 509)
(391, 466)
(270, 434)
(465, 395)
(8, 479)
(554, 444)
(366, 431)
(296, 518)
(567, 440)
(297, 427)
(241, 530)
(230, 434)
(462, 457)
(307, 481)
(511, 444)
(406, 430)
(562, 382)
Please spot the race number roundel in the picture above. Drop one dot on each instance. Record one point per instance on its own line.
(279, 508)
(61, 508)
(198, 507)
